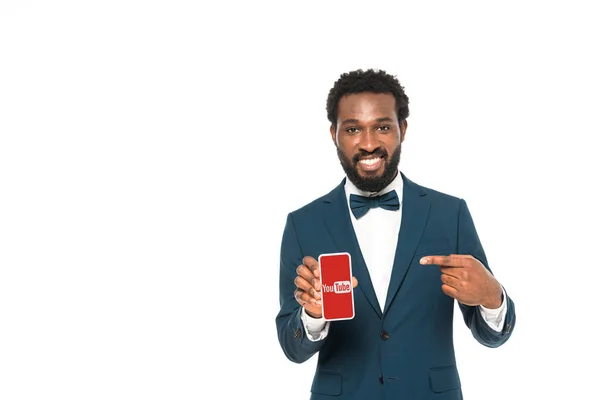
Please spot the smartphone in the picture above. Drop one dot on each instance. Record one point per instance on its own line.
(337, 295)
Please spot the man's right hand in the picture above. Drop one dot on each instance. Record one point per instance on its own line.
(308, 283)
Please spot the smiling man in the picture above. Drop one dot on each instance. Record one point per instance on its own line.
(369, 154)
(415, 251)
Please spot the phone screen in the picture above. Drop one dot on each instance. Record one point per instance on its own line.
(337, 296)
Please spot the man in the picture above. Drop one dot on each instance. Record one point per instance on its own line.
(412, 257)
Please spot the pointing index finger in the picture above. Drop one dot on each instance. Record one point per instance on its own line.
(446, 261)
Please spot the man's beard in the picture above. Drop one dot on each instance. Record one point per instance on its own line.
(371, 183)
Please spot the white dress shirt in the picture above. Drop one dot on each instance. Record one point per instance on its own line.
(377, 235)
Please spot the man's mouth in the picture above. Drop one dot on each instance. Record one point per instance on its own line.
(371, 163)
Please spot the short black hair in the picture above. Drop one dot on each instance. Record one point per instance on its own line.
(372, 81)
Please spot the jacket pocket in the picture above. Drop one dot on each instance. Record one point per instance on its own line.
(329, 383)
(433, 247)
(444, 379)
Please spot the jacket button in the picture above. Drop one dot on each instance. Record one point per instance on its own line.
(381, 379)
(384, 335)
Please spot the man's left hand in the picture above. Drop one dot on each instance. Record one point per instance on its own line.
(467, 280)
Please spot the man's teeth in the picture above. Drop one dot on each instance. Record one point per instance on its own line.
(370, 161)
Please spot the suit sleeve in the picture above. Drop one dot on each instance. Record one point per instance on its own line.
(292, 337)
(468, 243)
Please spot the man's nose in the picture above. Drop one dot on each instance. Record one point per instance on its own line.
(368, 141)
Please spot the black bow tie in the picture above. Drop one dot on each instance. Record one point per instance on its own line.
(360, 204)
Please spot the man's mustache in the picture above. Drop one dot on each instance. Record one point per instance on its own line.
(379, 152)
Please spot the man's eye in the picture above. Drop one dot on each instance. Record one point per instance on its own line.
(384, 128)
(351, 130)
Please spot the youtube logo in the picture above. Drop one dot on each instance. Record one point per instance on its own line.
(338, 287)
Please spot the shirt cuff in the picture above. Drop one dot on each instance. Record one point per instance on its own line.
(316, 328)
(495, 317)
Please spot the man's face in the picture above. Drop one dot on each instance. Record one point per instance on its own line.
(369, 139)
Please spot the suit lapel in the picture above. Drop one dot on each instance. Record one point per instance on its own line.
(339, 225)
(415, 209)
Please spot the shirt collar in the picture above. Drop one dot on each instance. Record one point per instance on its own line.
(397, 185)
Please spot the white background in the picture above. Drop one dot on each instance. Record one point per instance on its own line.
(151, 150)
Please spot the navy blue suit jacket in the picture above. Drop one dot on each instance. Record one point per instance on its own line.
(405, 351)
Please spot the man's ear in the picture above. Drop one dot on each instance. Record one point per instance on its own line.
(403, 127)
(333, 134)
